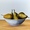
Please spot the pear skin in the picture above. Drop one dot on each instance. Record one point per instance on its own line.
(15, 15)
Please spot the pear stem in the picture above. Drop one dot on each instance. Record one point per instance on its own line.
(14, 10)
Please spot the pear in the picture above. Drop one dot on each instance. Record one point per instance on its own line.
(22, 15)
(15, 15)
(12, 14)
(7, 16)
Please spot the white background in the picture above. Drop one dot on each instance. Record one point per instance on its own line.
(18, 5)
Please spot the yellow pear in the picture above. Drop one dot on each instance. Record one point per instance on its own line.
(22, 15)
(15, 15)
(7, 16)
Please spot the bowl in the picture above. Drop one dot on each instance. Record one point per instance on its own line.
(14, 22)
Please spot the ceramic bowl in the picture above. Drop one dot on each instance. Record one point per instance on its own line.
(14, 22)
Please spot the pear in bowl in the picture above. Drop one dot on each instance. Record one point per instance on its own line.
(15, 19)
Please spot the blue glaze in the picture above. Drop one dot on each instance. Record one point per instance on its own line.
(15, 22)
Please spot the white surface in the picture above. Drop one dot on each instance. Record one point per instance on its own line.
(18, 5)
